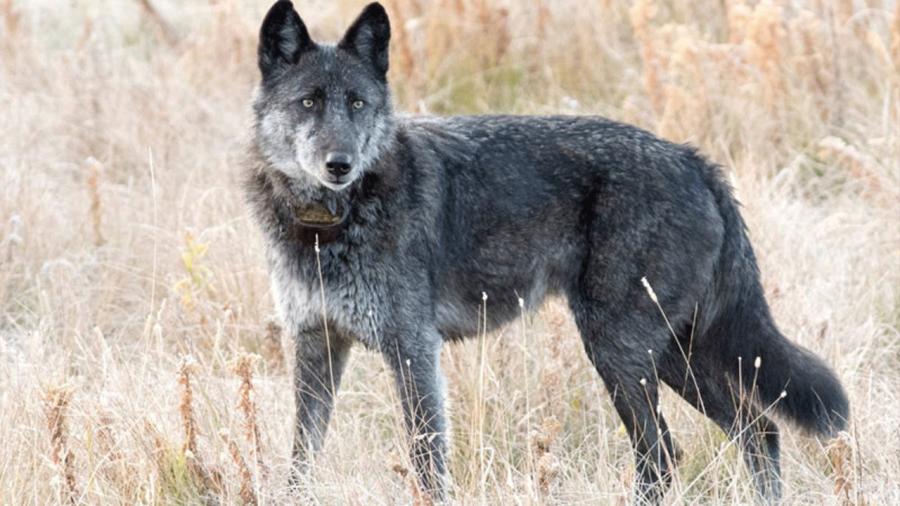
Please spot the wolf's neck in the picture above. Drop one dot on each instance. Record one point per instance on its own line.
(299, 192)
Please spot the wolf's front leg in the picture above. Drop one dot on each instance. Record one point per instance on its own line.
(415, 360)
(317, 375)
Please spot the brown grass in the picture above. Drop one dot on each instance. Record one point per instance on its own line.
(56, 405)
(247, 490)
(186, 408)
(110, 272)
(840, 453)
(247, 406)
(542, 442)
(196, 465)
(895, 36)
(96, 210)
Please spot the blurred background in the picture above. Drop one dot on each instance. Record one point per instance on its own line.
(139, 358)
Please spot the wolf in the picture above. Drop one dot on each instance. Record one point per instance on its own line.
(389, 230)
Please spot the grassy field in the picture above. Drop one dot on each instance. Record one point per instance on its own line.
(139, 359)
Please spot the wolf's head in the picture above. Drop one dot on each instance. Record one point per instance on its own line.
(323, 112)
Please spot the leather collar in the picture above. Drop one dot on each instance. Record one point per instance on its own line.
(305, 232)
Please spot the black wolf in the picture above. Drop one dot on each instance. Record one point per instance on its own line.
(386, 230)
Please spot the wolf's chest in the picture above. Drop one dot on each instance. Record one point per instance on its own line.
(349, 296)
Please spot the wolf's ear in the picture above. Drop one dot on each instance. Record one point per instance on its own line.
(282, 38)
(369, 36)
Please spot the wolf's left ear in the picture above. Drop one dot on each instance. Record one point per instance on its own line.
(369, 36)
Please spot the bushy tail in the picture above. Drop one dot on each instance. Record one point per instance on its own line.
(791, 379)
(788, 377)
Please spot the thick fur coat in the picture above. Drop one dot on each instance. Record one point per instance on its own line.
(443, 211)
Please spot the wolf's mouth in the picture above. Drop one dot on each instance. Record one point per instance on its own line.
(335, 184)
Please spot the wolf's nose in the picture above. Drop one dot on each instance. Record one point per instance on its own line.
(338, 164)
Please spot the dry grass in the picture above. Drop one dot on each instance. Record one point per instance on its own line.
(125, 245)
(56, 405)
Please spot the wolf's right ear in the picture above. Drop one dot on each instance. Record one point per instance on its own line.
(282, 38)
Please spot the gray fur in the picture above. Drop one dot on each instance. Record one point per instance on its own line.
(445, 209)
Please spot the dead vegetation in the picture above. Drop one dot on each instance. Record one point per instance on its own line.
(125, 246)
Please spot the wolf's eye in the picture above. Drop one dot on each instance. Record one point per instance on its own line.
(308, 103)
(358, 104)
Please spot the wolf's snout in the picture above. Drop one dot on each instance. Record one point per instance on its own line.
(338, 164)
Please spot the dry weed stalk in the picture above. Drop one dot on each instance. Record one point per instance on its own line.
(271, 346)
(480, 407)
(162, 26)
(686, 111)
(764, 41)
(110, 446)
(551, 379)
(861, 166)
(11, 18)
(247, 491)
(189, 424)
(840, 453)
(56, 405)
(543, 19)
(448, 37)
(247, 405)
(94, 168)
(495, 19)
(419, 499)
(895, 37)
(438, 40)
(186, 407)
(159, 450)
(107, 439)
(737, 15)
(547, 463)
(404, 61)
(159, 445)
(815, 59)
(640, 15)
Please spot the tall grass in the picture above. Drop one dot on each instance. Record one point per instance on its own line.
(125, 245)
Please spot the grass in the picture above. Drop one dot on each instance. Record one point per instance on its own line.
(125, 247)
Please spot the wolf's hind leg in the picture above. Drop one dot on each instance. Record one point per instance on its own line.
(415, 361)
(317, 375)
(619, 352)
(705, 387)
